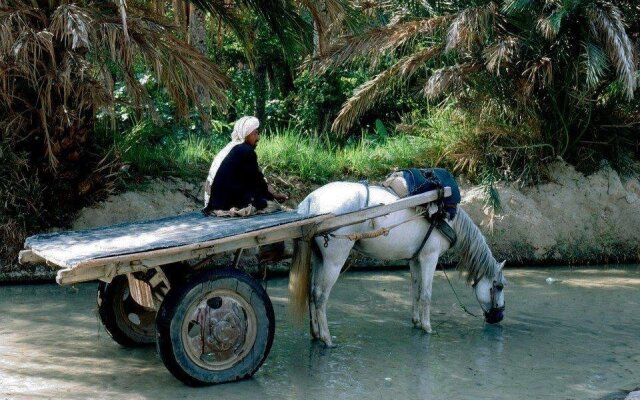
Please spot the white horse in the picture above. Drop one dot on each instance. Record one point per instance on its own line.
(403, 242)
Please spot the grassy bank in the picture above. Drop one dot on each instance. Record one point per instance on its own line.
(283, 152)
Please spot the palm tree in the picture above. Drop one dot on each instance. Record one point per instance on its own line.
(58, 64)
(562, 61)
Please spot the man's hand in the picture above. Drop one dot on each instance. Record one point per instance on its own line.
(280, 197)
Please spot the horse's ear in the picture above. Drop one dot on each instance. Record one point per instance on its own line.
(501, 274)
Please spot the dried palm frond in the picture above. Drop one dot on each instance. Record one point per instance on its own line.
(550, 26)
(538, 74)
(59, 66)
(179, 66)
(367, 94)
(72, 23)
(607, 24)
(500, 53)
(447, 79)
(376, 42)
(471, 26)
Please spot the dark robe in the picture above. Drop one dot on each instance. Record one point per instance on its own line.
(239, 181)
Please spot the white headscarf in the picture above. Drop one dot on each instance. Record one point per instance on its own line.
(241, 129)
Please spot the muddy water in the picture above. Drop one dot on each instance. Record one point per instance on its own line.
(576, 337)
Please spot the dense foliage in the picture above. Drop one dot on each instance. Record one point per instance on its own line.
(539, 79)
(494, 89)
(59, 62)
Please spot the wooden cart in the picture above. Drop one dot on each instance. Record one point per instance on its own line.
(211, 325)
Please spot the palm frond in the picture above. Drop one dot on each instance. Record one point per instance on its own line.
(537, 74)
(500, 53)
(70, 23)
(594, 62)
(471, 25)
(179, 66)
(377, 41)
(369, 93)
(607, 22)
(292, 31)
(15, 20)
(511, 7)
(550, 26)
(447, 79)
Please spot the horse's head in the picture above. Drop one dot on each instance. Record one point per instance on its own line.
(490, 295)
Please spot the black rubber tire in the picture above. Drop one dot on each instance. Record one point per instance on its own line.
(173, 312)
(113, 301)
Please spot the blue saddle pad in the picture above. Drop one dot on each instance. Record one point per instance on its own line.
(420, 180)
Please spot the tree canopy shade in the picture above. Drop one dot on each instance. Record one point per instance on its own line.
(558, 60)
(59, 62)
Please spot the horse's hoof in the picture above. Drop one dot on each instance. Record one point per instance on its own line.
(427, 328)
(327, 343)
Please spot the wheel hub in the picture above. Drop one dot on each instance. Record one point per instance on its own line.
(219, 330)
(226, 330)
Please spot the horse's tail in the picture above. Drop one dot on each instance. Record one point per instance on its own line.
(299, 278)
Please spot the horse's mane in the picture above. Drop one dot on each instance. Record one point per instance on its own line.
(476, 258)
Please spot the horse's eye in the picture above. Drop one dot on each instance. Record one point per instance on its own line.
(499, 286)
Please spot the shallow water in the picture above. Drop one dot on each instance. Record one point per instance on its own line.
(577, 337)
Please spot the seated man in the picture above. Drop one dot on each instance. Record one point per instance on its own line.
(235, 185)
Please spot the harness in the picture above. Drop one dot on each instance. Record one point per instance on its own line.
(366, 186)
(437, 220)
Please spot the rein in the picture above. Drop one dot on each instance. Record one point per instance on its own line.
(462, 306)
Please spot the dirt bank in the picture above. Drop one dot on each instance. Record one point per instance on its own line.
(572, 219)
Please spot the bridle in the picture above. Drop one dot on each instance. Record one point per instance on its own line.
(495, 310)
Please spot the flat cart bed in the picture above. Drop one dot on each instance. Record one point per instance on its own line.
(102, 253)
(105, 252)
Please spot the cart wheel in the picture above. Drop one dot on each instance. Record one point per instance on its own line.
(128, 323)
(217, 327)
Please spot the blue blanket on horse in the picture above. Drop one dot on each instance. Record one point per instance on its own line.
(425, 179)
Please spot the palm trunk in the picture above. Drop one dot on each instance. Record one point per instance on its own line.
(160, 7)
(260, 88)
(178, 13)
(197, 38)
(320, 34)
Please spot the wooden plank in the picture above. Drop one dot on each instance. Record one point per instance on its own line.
(29, 257)
(70, 248)
(355, 217)
(112, 266)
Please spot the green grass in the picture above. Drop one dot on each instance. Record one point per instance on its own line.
(283, 152)
(444, 137)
